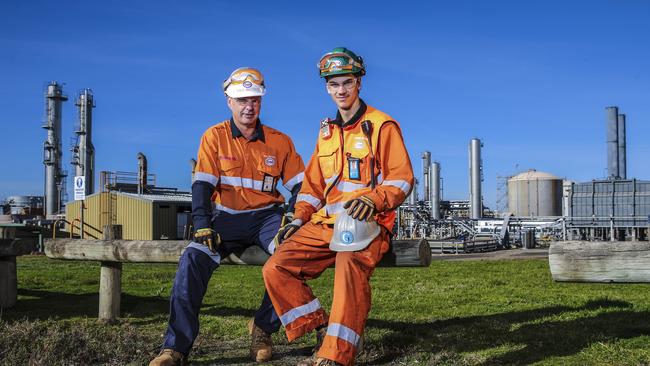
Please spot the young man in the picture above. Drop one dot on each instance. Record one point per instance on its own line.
(361, 165)
(234, 202)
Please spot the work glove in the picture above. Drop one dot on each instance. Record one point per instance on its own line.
(286, 231)
(209, 238)
(287, 218)
(361, 208)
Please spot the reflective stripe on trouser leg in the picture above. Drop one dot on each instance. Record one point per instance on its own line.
(351, 301)
(192, 276)
(305, 255)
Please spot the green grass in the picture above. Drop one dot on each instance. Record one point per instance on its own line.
(453, 313)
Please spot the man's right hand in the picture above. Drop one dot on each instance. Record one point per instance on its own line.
(286, 231)
(209, 238)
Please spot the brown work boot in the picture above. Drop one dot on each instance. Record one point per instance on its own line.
(169, 357)
(261, 343)
(325, 362)
(320, 337)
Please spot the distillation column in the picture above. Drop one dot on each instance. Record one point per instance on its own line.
(475, 179)
(83, 154)
(435, 190)
(622, 154)
(426, 176)
(52, 153)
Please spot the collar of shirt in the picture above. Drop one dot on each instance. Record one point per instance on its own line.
(258, 135)
(339, 120)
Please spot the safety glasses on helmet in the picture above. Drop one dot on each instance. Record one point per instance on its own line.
(337, 61)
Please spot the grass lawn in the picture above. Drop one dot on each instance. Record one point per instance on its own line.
(453, 313)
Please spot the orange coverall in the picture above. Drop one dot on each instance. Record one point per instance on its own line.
(327, 185)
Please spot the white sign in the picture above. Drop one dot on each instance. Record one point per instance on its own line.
(79, 188)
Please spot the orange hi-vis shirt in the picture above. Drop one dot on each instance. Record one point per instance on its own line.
(245, 172)
(330, 180)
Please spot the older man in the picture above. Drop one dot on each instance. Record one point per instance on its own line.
(234, 202)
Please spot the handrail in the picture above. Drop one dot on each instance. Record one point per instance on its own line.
(54, 227)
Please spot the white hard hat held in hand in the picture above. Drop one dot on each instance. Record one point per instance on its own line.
(351, 235)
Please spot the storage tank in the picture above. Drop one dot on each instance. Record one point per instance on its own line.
(535, 193)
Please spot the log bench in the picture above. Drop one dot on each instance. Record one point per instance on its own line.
(10, 248)
(112, 252)
(600, 261)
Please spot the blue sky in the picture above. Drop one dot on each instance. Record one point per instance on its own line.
(530, 78)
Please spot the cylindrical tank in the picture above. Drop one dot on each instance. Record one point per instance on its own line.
(612, 142)
(435, 190)
(535, 194)
(475, 178)
(413, 197)
(426, 177)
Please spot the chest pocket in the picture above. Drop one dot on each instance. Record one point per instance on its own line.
(328, 159)
(357, 149)
(230, 166)
(269, 170)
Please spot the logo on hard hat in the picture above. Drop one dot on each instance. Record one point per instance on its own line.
(247, 84)
(347, 237)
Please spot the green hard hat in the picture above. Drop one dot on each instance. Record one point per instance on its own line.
(341, 61)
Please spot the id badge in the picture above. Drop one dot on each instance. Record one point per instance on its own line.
(326, 131)
(268, 184)
(353, 168)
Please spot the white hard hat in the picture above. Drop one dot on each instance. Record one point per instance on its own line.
(351, 234)
(244, 82)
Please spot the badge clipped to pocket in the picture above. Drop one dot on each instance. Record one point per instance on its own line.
(325, 129)
(353, 168)
(268, 184)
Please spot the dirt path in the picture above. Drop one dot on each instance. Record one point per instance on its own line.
(537, 253)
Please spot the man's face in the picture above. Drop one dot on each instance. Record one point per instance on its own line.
(344, 90)
(246, 110)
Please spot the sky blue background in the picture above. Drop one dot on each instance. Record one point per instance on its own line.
(530, 78)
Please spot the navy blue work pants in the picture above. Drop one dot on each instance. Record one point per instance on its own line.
(197, 264)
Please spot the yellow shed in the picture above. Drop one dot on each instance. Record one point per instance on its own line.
(142, 216)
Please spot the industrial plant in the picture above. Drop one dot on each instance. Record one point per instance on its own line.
(541, 206)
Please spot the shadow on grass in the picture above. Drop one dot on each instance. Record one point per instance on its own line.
(533, 337)
(47, 304)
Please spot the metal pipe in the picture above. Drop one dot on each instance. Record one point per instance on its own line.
(475, 178)
(612, 143)
(142, 173)
(193, 168)
(52, 154)
(435, 190)
(83, 154)
(622, 153)
(426, 166)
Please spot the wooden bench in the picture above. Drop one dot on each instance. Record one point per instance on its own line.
(600, 261)
(10, 248)
(112, 252)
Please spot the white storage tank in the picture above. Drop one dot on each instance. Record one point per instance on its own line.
(535, 194)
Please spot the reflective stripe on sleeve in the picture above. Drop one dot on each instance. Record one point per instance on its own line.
(297, 312)
(330, 179)
(293, 181)
(401, 184)
(234, 212)
(206, 177)
(343, 332)
(310, 199)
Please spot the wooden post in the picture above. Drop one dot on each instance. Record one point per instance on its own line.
(110, 281)
(8, 277)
